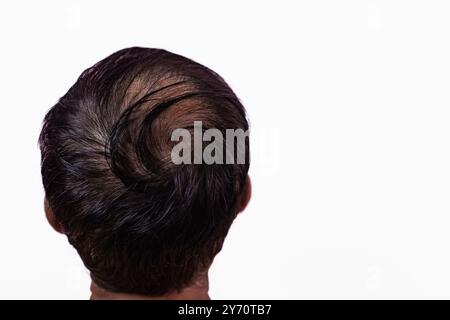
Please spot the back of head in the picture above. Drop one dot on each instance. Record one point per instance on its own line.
(141, 223)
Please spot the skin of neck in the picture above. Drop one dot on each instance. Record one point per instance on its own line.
(198, 290)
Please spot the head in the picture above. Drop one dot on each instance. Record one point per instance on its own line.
(141, 223)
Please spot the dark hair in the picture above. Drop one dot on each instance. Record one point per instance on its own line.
(140, 223)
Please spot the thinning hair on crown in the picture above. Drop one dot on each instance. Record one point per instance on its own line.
(140, 223)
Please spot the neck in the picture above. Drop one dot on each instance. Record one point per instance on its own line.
(197, 291)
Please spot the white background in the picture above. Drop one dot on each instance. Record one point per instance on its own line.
(349, 103)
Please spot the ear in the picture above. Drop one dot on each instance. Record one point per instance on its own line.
(246, 194)
(51, 217)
